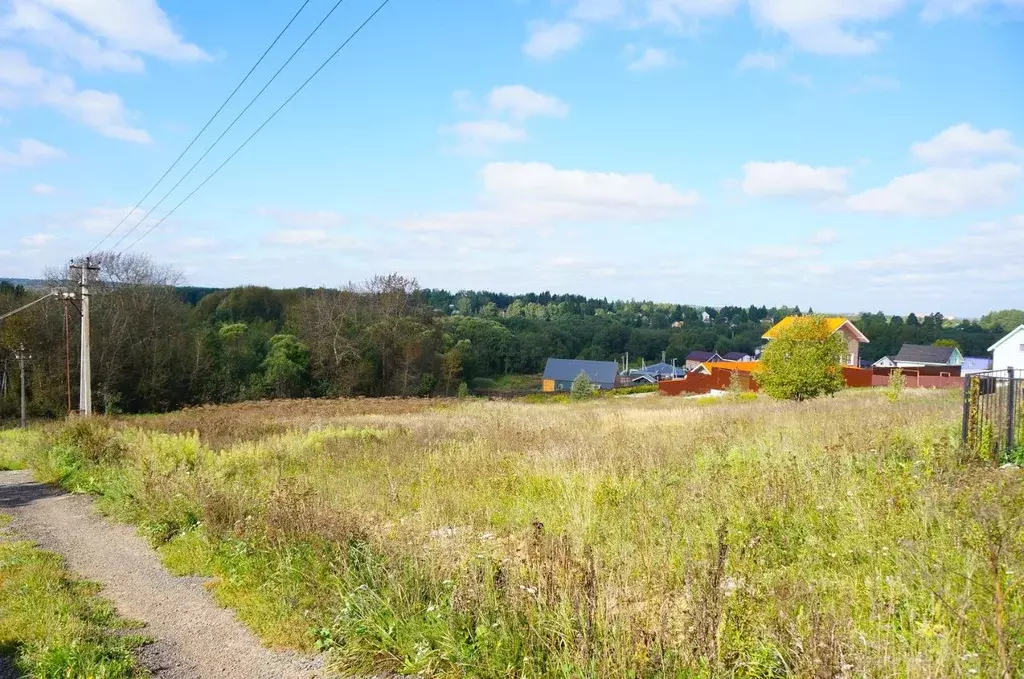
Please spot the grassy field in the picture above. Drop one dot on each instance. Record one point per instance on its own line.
(620, 537)
(53, 625)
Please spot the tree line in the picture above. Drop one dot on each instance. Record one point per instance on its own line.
(160, 345)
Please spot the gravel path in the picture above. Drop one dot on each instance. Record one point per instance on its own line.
(195, 639)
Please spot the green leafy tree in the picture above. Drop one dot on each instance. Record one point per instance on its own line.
(582, 387)
(286, 367)
(1005, 320)
(803, 362)
(948, 343)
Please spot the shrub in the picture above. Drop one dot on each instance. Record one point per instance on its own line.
(897, 380)
(463, 391)
(582, 388)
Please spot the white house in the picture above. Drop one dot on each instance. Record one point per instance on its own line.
(884, 362)
(1009, 351)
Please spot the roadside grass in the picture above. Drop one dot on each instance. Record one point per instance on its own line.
(12, 444)
(53, 625)
(844, 537)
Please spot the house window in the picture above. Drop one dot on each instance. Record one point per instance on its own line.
(1022, 347)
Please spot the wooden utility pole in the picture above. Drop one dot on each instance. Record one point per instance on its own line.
(85, 363)
(67, 296)
(20, 356)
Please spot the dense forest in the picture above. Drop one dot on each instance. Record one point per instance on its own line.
(158, 345)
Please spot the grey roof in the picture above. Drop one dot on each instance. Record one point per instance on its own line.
(702, 356)
(664, 369)
(735, 356)
(567, 369)
(924, 353)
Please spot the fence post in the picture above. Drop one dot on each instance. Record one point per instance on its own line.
(1011, 402)
(967, 409)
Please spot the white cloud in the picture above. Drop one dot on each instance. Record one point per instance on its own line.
(963, 143)
(941, 191)
(520, 102)
(548, 40)
(312, 237)
(786, 178)
(129, 25)
(950, 269)
(652, 58)
(761, 61)
(935, 10)
(40, 26)
(538, 195)
(105, 112)
(37, 240)
(30, 152)
(478, 137)
(44, 190)
(826, 26)
(598, 10)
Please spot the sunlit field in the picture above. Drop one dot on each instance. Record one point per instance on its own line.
(620, 537)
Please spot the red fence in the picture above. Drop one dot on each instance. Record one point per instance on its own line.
(914, 380)
(696, 383)
(721, 380)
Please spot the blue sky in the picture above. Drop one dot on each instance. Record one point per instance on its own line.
(846, 156)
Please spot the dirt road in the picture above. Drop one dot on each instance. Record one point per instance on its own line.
(194, 638)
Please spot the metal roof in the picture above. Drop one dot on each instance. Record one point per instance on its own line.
(834, 323)
(735, 356)
(664, 369)
(702, 356)
(924, 353)
(567, 369)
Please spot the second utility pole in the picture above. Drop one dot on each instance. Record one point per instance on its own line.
(85, 365)
(21, 357)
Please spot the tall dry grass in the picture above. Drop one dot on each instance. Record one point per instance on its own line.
(844, 537)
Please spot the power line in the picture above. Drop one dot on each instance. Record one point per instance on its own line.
(205, 127)
(260, 128)
(228, 128)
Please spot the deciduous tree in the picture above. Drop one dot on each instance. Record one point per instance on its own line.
(803, 362)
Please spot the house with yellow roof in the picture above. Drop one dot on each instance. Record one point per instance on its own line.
(854, 337)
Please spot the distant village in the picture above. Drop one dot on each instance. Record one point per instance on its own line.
(933, 366)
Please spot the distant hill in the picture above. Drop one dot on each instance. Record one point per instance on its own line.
(27, 282)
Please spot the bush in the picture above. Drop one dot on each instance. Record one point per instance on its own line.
(463, 391)
(582, 387)
(897, 380)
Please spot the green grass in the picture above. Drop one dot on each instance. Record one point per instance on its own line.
(54, 626)
(12, 446)
(650, 537)
(508, 382)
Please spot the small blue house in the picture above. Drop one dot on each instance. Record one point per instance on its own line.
(560, 372)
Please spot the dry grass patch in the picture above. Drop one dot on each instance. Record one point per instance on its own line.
(843, 537)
